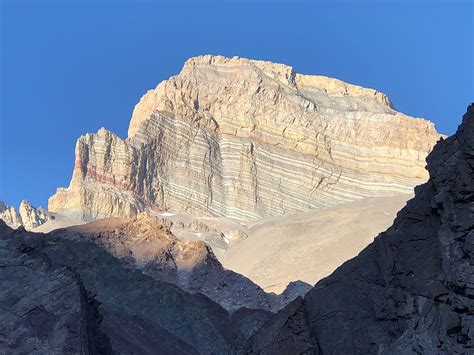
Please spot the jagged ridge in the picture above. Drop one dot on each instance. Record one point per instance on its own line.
(27, 215)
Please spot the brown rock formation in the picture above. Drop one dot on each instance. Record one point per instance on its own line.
(145, 244)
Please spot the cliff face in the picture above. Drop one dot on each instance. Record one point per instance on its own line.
(412, 290)
(247, 139)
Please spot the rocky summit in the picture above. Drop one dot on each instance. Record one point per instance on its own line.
(247, 139)
(243, 166)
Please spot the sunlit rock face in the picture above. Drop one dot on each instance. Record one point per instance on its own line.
(27, 216)
(143, 243)
(247, 139)
(9, 215)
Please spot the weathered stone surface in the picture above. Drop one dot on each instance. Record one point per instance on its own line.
(140, 314)
(293, 290)
(32, 217)
(247, 139)
(287, 332)
(311, 245)
(147, 245)
(27, 215)
(412, 290)
(44, 307)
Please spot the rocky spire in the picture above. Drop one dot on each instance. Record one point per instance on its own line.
(27, 215)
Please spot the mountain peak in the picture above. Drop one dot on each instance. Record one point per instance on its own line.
(221, 138)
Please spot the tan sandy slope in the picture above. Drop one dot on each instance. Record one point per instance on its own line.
(309, 245)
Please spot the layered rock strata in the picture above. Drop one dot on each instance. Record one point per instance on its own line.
(247, 139)
(27, 216)
(412, 290)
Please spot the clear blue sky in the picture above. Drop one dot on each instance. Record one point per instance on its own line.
(70, 69)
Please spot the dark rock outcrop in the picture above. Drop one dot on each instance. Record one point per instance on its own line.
(292, 291)
(138, 313)
(412, 289)
(44, 307)
(145, 244)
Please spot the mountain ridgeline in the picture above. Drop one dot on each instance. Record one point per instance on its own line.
(410, 291)
(238, 165)
(247, 139)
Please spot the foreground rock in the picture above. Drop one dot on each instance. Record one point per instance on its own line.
(412, 290)
(27, 215)
(52, 286)
(247, 139)
(44, 307)
(147, 245)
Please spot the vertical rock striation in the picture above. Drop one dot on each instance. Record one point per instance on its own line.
(9, 215)
(247, 139)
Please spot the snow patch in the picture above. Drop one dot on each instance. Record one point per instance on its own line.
(167, 214)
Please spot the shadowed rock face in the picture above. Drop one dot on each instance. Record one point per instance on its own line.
(246, 139)
(138, 313)
(412, 290)
(44, 307)
(145, 244)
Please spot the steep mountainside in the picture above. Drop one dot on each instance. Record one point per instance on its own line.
(247, 139)
(310, 245)
(412, 290)
(147, 245)
(72, 296)
(44, 307)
